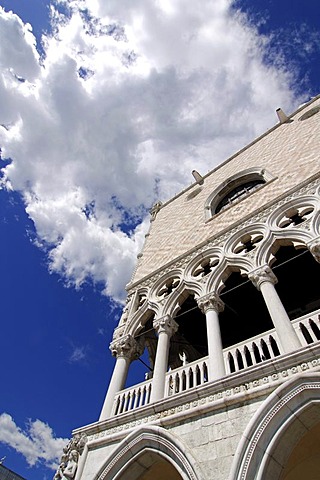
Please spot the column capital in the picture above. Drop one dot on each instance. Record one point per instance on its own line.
(314, 247)
(165, 324)
(211, 301)
(261, 275)
(126, 347)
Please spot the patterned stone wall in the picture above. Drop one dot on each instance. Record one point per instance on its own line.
(287, 152)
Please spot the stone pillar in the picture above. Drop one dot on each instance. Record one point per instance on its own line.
(126, 349)
(264, 280)
(211, 306)
(165, 327)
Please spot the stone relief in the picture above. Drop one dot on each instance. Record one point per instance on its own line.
(69, 460)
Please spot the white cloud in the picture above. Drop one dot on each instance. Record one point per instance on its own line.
(78, 355)
(129, 99)
(36, 442)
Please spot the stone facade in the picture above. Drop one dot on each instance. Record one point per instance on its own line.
(288, 163)
(224, 301)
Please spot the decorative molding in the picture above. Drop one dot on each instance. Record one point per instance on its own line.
(153, 438)
(264, 420)
(172, 408)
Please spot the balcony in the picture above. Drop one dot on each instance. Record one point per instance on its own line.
(237, 358)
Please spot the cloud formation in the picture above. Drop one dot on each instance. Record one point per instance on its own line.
(36, 443)
(128, 99)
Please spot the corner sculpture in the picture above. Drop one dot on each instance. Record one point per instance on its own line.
(69, 461)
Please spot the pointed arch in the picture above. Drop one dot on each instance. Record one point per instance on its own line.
(288, 414)
(150, 439)
(138, 320)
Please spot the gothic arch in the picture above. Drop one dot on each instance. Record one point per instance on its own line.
(216, 283)
(285, 417)
(138, 320)
(151, 439)
(177, 298)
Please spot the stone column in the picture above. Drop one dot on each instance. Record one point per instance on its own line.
(165, 327)
(211, 306)
(125, 349)
(264, 280)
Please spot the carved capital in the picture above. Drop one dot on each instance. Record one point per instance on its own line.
(262, 274)
(127, 347)
(210, 302)
(314, 247)
(165, 324)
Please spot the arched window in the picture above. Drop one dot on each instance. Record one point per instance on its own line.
(234, 189)
(238, 192)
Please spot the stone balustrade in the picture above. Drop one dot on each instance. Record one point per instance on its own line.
(188, 376)
(132, 398)
(238, 357)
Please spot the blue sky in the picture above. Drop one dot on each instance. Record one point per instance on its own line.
(106, 113)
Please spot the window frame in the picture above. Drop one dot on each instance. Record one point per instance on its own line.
(233, 182)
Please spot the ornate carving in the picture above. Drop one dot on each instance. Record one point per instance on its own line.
(127, 347)
(205, 267)
(262, 274)
(314, 247)
(295, 216)
(69, 460)
(210, 302)
(165, 324)
(168, 287)
(247, 243)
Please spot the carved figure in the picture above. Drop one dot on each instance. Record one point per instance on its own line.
(69, 460)
(67, 472)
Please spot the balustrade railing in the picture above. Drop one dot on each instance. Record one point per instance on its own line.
(186, 377)
(245, 354)
(251, 352)
(132, 398)
(308, 328)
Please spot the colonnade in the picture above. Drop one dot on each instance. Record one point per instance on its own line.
(126, 348)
